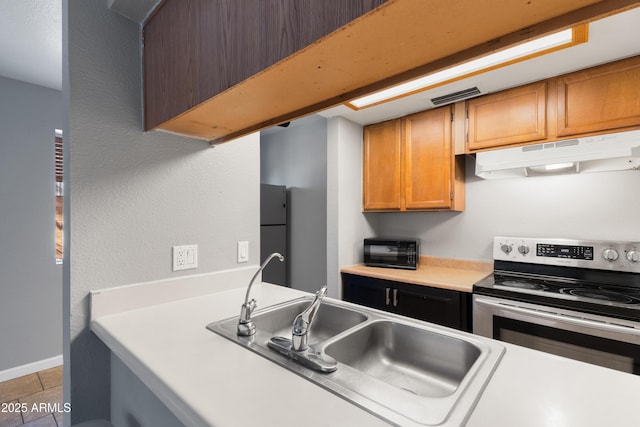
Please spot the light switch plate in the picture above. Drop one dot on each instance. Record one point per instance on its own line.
(243, 251)
(185, 257)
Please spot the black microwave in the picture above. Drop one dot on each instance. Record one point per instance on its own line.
(393, 253)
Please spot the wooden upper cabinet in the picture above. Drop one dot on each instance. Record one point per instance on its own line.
(512, 116)
(428, 160)
(603, 99)
(217, 70)
(600, 99)
(409, 164)
(195, 50)
(382, 179)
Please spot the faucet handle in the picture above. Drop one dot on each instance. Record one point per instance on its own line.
(252, 305)
(247, 309)
(322, 292)
(246, 327)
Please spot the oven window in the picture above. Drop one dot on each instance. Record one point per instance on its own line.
(605, 352)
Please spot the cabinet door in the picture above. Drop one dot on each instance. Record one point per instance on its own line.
(511, 116)
(599, 99)
(370, 292)
(440, 306)
(428, 160)
(381, 167)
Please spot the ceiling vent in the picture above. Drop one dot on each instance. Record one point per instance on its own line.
(456, 96)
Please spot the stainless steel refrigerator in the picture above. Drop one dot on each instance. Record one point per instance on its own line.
(273, 232)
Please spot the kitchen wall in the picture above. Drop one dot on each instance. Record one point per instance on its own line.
(347, 226)
(585, 206)
(297, 157)
(318, 156)
(30, 280)
(133, 195)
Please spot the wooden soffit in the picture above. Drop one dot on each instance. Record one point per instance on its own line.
(397, 41)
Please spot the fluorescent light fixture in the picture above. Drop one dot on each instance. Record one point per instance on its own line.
(537, 47)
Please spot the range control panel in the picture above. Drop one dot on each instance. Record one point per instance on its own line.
(564, 251)
(602, 255)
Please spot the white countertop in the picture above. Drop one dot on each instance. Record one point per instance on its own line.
(205, 379)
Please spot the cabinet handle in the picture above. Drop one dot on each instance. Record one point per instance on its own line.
(395, 297)
(387, 299)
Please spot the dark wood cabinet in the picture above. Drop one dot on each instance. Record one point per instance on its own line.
(195, 50)
(441, 306)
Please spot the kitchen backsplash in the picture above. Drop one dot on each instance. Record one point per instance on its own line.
(599, 206)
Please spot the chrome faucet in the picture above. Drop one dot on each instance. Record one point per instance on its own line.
(297, 348)
(246, 327)
(303, 321)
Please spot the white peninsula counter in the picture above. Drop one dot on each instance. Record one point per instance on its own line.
(185, 374)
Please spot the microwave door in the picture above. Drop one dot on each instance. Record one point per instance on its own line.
(384, 254)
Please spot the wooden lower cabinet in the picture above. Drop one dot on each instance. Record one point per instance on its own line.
(441, 306)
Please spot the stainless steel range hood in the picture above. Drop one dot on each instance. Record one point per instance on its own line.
(619, 151)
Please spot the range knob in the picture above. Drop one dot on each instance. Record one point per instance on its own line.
(633, 256)
(610, 254)
(523, 249)
(506, 248)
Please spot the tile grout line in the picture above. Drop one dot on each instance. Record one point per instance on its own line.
(40, 380)
(42, 389)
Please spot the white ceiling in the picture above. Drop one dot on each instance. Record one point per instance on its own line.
(31, 41)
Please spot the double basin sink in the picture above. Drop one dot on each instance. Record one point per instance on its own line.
(404, 371)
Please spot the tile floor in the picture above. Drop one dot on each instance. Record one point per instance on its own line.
(37, 394)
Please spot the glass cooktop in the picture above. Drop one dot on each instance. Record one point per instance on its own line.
(599, 298)
(625, 295)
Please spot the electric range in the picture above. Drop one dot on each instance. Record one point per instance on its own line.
(574, 298)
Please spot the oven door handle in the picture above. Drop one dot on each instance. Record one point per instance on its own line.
(586, 323)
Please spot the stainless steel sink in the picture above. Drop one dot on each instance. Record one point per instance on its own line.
(423, 362)
(277, 320)
(405, 371)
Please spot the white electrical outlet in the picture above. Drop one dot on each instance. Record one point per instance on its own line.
(243, 251)
(185, 257)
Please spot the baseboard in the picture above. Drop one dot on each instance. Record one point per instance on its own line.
(30, 368)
